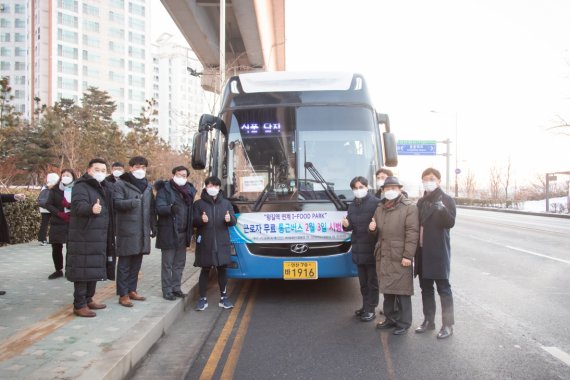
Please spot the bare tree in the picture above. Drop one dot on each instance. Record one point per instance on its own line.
(469, 183)
(494, 182)
(505, 179)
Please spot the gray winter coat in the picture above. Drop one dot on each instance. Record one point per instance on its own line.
(135, 217)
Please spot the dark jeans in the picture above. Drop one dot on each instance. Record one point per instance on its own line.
(368, 286)
(173, 262)
(205, 276)
(57, 255)
(128, 268)
(42, 233)
(398, 309)
(83, 293)
(445, 296)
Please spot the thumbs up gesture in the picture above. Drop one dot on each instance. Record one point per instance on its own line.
(372, 225)
(227, 217)
(345, 221)
(97, 207)
(204, 217)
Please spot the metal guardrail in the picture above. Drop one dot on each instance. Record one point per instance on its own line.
(506, 210)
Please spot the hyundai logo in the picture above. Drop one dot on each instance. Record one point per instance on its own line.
(299, 248)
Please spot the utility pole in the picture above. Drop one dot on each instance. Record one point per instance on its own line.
(222, 45)
(457, 171)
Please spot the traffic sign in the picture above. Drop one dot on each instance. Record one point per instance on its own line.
(417, 147)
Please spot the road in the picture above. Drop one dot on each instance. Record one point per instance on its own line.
(512, 302)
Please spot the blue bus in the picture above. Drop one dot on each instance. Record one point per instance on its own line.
(286, 146)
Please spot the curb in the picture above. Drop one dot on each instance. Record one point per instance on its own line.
(131, 352)
(508, 211)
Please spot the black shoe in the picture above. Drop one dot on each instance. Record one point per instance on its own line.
(367, 317)
(169, 296)
(445, 332)
(425, 326)
(56, 274)
(178, 293)
(2, 292)
(387, 324)
(359, 312)
(400, 331)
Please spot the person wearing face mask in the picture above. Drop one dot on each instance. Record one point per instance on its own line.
(212, 216)
(360, 212)
(51, 180)
(174, 200)
(91, 244)
(117, 170)
(58, 204)
(133, 202)
(433, 256)
(395, 225)
(381, 175)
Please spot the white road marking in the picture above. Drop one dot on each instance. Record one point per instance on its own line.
(537, 254)
(558, 354)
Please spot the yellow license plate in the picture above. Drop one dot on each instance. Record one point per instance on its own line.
(300, 270)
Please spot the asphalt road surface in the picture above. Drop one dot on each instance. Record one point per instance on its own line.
(511, 284)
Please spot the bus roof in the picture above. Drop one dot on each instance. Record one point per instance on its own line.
(286, 81)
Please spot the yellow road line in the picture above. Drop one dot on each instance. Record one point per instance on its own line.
(231, 362)
(384, 337)
(216, 354)
(17, 343)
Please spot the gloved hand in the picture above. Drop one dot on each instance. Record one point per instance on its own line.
(439, 205)
(174, 209)
(63, 216)
(65, 203)
(135, 202)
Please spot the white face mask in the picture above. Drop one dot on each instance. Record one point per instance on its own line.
(379, 182)
(66, 180)
(430, 186)
(139, 173)
(100, 177)
(391, 194)
(212, 191)
(360, 193)
(179, 181)
(117, 173)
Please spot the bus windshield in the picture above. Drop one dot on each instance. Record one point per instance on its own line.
(268, 149)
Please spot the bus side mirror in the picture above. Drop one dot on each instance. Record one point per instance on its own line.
(390, 149)
(383, 119)
(200, 150)
(207, 122)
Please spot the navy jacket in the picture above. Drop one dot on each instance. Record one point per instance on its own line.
(360, 213)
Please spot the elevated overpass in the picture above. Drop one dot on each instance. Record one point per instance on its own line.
(255, 35)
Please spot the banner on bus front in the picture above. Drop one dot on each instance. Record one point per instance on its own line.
(287, 227)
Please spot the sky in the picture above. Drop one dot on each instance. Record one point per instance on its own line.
(500, 68)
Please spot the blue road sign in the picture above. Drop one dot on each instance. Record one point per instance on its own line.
(417, 147)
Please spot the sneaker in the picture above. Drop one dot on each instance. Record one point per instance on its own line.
(202, 304)
(56, 274)
(43, 243)
(225, 303)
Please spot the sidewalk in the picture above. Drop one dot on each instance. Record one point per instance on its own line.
(40, 338)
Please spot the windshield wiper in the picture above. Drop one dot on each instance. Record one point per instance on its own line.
(261, 198)
(338, 203)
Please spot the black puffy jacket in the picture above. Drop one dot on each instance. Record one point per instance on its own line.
(58, 227)
(171, 224)
(213, 238)
(135, 217)
(360, 213)
(90, 238)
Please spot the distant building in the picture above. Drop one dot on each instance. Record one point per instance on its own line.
(176, 88)
(53, 49)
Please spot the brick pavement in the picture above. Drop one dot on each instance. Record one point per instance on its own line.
(40, 338)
